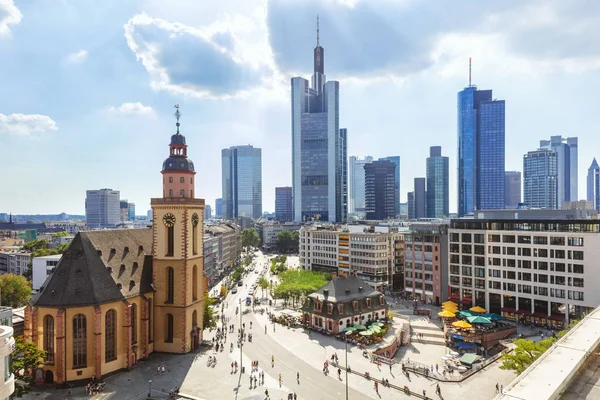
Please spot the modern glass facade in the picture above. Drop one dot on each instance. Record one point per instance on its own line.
(380, 196)
(357, 184)
(420, 198)
(283, 204)
(512, 189)
(102, 208)
(481, 133)
(566, 157)
(540, 179)
(396, 161)
(593, 185)
(241, 182)
(438, 197)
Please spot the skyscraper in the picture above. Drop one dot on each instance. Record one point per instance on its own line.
(480, 151)
(102, 208)
(380, 198)
(438, 180)
(242, 182)
(218, 208)
(540, 179)
(283, 204)
(410, 204)
(593, 185)
(124, 209)
(566, 158)
(131, 211)
(420, 198)
(207, 212)
(512, 189)
(356, 199)
(396, 161)
(319, 147)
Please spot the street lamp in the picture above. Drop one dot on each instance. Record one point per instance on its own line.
(346, 334)
(241, 338)
(150, 388)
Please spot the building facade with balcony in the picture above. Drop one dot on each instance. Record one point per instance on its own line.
(540, 271)
(7, 346)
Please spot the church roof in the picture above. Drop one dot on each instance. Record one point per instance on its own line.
(100, 267)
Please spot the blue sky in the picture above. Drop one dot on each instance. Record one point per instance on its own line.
(87, 88)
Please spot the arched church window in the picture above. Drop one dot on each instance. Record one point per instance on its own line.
(79, 341)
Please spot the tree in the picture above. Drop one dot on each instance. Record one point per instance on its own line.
(524, 354)
(25, 358)
(209, 320)
(263, 283)
(250, 238)
(60, 234)
(15, 290)
(288, 241)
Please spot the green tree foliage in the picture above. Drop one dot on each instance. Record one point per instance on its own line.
(40, 248)
(250, 238)
(36, 244)
(60, 234)
(25, 358)
(296, 284)
(278, 265)
(263, 283)
(209, 320)
(524, 354)
(237, 273)
(15, 290)
(288, 241)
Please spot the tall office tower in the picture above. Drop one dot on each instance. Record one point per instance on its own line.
(241, 182)
(356, 199)
(380, 198)
(102, 208)
(410, 204)
(344, 176)
(207, 212)
(512, 189)
(540, 178)
(396, 161)
(131, 211)
(566, 158)
(480, 150)
(283, 204)
(218, 208)
(593, 185)
(420, 198)
(438, 182)
(318, 147)
(124, 210)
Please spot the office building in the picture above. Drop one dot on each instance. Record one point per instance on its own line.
(512, 189)
(102, 208)
(438, 181)
(527, 270)
(396, 161)
(207, 212)
(380, 196)
(42, 268)
(222, 250)
(283, 204)
(356, 198)
(318, 147)
(525, 213)
(540, 179)
(577, 205)
(7, 346)
(14, 262)
(566, 161)
(131, 211)
(426, 262)
(268, 231)
(420, 198)
(410, 205)
(124, 210)
(219, 208)
(149, 215)
(242, 182)
(480, 151)
(593, 185)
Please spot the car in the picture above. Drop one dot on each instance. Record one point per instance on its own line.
(256, 271)
(240, 283)
(234, 290)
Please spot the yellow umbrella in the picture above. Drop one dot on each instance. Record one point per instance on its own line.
(477, 309)
(449, 302)
(449, 307)
(461, 324)
(446, 314)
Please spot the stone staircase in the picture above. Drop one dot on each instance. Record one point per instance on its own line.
(431, 334)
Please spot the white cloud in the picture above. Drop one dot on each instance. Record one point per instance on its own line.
(133, 109)
(26, 124)
(9, 14)
(77, 57)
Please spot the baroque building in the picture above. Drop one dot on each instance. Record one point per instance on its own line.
(116, 296)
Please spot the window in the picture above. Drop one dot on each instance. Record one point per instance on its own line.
(578, 296)
(454, 237)
(170, 192)
(508, 238)
(368, 302)
(577, 282)
(182, 180)
(340, 309)
(170, 285)
(560, 267)
(382, 300)
(466, 237)
(170, 179)
(169, 329)
(478, 238)
(355, 305)
(526, 252)
(329, 308)
(577, 255)
(181, 193)
(195, 238)
(575, 241)
(109, 336)
(79, 341)
(195, 282)
(150, 327)
(134, 323)
(542, 291)
(318, 305)
(543, 265)
(49, 338)
(170, 241)
(524, 239)
(578, 268)
(494, 238)
(559, 254)
(540, 240)
(557, 241)
(467, 271)
(543, 278)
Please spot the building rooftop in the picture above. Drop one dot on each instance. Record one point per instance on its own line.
(344, 289)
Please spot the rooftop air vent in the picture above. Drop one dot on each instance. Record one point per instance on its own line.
(53, 292)
(131, 284)
(326, 292)
(360, 288)
(121, 270)
(99, 252)
(347, 291)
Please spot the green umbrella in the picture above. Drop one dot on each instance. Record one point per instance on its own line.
(366, 333)
(359, 327)
(465, 313)
(350, 329)
(477, 319)
(377, 324)
(375, 329)
(493, 317)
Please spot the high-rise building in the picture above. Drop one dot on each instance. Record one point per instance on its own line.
(420, 198)
(207, 212)
(380, 198)
(318, 147)
(566, 159)
(410, 205)
(480, 151)
(512, 189)
(219, 208)
(438, 180)
(283, 204)
(356, 199)
(242, 182)
(593, 185)
(396, 161)
(131, 211)
(124, 210)
(102, 208)
(540, 179)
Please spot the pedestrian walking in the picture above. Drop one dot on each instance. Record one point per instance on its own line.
(436, 367)
(390, 368)
(501, 389)
(265, 329)
(376, 387)
(298, 377)
(424, 394)
(497, 388)
(438, 391)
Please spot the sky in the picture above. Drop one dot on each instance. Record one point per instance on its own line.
(87, 88)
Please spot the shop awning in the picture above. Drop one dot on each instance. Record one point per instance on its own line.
(540, 315)
(508, 309)
(466, 300)
(557, 317)
(455, 336)
(466, 345)
(524, 312)
(469, 359)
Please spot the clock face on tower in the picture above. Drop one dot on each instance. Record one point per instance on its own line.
(195, 219)
(168, 220)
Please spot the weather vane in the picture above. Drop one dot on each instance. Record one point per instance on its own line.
(177, 115)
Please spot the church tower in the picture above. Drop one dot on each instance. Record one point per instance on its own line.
(178, 230)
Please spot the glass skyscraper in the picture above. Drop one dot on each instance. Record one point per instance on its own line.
(481, 132)
(380, 198)
(283, 204)
(319, 166)
(512, 189)
(593, 185)
(420, 198)
(356, 198)
(396, 161)
(540, 178)
(241, 182)
(438, 197)
(566, 157)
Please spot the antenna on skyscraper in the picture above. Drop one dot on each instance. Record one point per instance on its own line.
(317, 31)
(469, 71)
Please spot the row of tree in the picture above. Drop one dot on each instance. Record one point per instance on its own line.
(296, 284)
(287, 242)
